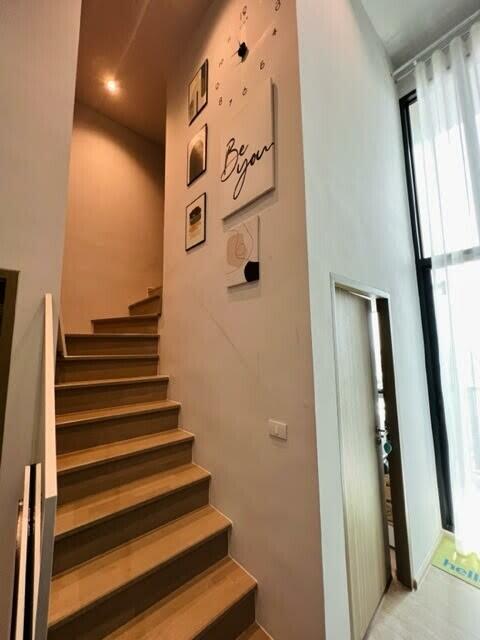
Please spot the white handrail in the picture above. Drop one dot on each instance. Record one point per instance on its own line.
(48, 459)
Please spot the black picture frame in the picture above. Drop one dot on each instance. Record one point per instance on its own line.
(203, 197)
(191, 180)
(198, 110)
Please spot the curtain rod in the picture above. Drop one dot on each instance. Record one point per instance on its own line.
(462, 30)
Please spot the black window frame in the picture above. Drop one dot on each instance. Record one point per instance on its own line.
(430, 335)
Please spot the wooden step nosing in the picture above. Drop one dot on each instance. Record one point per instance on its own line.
(143, 316)
(142, 576)
(114, 336)
(137, 505)
(156, 296)
(123, 456)
(113, 382)
(106, 357)
(74, 422)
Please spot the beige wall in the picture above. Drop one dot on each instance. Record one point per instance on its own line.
(358, 227)
(239, 357)
(38, 52)
(114, 235)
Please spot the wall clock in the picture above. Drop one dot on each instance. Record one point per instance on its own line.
(244, 59)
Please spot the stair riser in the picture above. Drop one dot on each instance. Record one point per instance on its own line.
(153, 305)
(106, 616)
(78, 484)
(123, 345)
(92, 434)
(234, 622)
(81, 399)
(82, 371)
(87, 543)
(135, 324)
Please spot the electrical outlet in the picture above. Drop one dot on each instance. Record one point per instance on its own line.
(278, 429)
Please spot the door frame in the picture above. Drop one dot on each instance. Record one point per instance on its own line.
(397, 481)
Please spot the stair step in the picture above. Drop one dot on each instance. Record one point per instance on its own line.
(111, 343)
(100, 394)
(254, 633)
(86, 458)
(84, 368)
(86, 589)
(92, 509)
(155, 291)
(93, 524)
(88, 471)
(191, 611)
(150, 304)
(88, 416)
(145, 323)
(94, 427)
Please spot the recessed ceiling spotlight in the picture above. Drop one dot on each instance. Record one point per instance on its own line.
(111, 85)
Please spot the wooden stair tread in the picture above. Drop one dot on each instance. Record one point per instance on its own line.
(76, 460)
(149, 298)
(112, 413)
(254, 633)
(144, 316)
(114, 336)
(91, 509)
(190, 610)
(110, 382)
(81, 587)
(116, 356)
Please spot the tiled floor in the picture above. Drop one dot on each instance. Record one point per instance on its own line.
(444, 608)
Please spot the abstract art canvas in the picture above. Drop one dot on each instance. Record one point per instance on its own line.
(198, 92)
(242, 261)
(195, 222)
(197, 155)
(247, 152)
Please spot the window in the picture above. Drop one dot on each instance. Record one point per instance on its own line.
(444, 202)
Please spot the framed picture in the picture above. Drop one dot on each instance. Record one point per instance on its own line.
(198, 92)
(242, 261)
(247, 152)
(196, 222)
(197, 155)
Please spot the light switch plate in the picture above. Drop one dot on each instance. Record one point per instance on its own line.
(278, 429)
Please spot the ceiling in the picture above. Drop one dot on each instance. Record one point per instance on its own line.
(133, 41)
(408, 26)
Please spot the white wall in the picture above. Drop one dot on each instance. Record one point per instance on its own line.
(38, 52)
(114, 234)
(237, 358)
(358, 226)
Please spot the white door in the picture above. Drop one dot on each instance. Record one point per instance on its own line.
(366, 547)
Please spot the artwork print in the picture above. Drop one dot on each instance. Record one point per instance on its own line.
(247, 152)
(198, 92)
(242, 260)
(195, 222)
(197, 155)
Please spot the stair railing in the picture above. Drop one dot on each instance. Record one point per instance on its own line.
(48, 460)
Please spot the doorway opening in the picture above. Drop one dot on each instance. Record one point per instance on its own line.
(375, 516)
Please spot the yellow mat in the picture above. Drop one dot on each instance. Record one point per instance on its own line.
(446, 558)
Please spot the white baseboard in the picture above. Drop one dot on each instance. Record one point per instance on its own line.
(418, 579)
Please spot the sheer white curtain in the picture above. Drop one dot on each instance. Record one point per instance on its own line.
(447, 165)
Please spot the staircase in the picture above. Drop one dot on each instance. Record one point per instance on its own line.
(140, 554)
